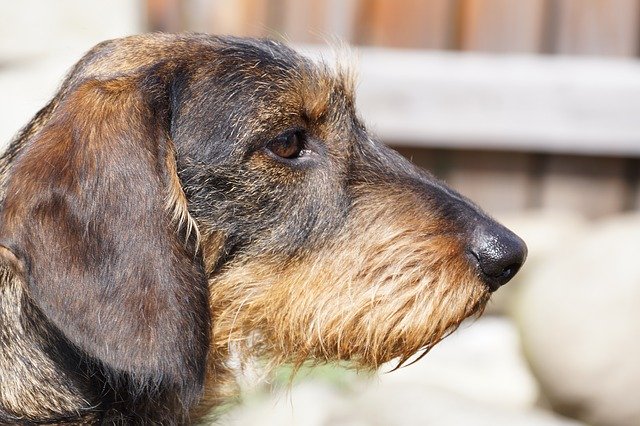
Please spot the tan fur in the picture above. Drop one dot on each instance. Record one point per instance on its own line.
(390, 291)
(22, 381)
(176, 202)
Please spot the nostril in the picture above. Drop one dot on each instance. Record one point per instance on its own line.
(493, 273)
(508, 272)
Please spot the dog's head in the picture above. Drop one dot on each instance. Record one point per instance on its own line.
(167, 164)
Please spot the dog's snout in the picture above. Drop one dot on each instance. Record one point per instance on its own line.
(497, 253)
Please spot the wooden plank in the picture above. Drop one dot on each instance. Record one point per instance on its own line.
(410, 23)
(341, 19)
(502, 25)
(498, 181)
(598, 27)
(235, 17)
(197, 15)
(633, 180)
(635, 200)
(256, 17)
(473, 101)
(319, 21)
(164, 15)
(594, 186)
(304, 21)
(434, 160)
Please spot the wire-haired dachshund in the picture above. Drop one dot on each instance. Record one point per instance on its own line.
(186, 200)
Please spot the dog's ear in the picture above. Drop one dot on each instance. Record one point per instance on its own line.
(96, 221)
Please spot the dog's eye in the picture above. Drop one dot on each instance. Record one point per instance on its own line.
(288, 146)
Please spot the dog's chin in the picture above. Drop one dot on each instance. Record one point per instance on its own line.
(353, 334)
(301, 318)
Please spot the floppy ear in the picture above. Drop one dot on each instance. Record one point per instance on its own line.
(89, 215)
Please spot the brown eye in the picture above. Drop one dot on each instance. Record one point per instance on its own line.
(288, 146)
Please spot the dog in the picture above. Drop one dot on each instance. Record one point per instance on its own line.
(189, 200)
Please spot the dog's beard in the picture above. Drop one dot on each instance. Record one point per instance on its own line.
(387, 293)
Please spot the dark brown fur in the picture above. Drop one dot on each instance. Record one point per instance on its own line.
(149, 234)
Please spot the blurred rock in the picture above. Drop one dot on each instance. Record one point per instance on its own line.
(580, 320)
(481, 361)
(418, 405)
(308, 404)
(476, 376)
(316, 404)
(544, 232)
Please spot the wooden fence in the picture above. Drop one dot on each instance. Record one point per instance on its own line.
(502, 175)
(595, 27)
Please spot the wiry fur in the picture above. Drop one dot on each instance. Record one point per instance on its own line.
(328, 305)
(148, 187)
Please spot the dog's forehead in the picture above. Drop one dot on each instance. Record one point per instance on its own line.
(271, 71)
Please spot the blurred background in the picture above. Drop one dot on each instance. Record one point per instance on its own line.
(529, 107)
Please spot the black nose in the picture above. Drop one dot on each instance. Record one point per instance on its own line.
(497, 253)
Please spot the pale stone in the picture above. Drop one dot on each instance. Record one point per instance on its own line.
(544, 232)
(580, 322)
(481, 361)
(475, 377)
